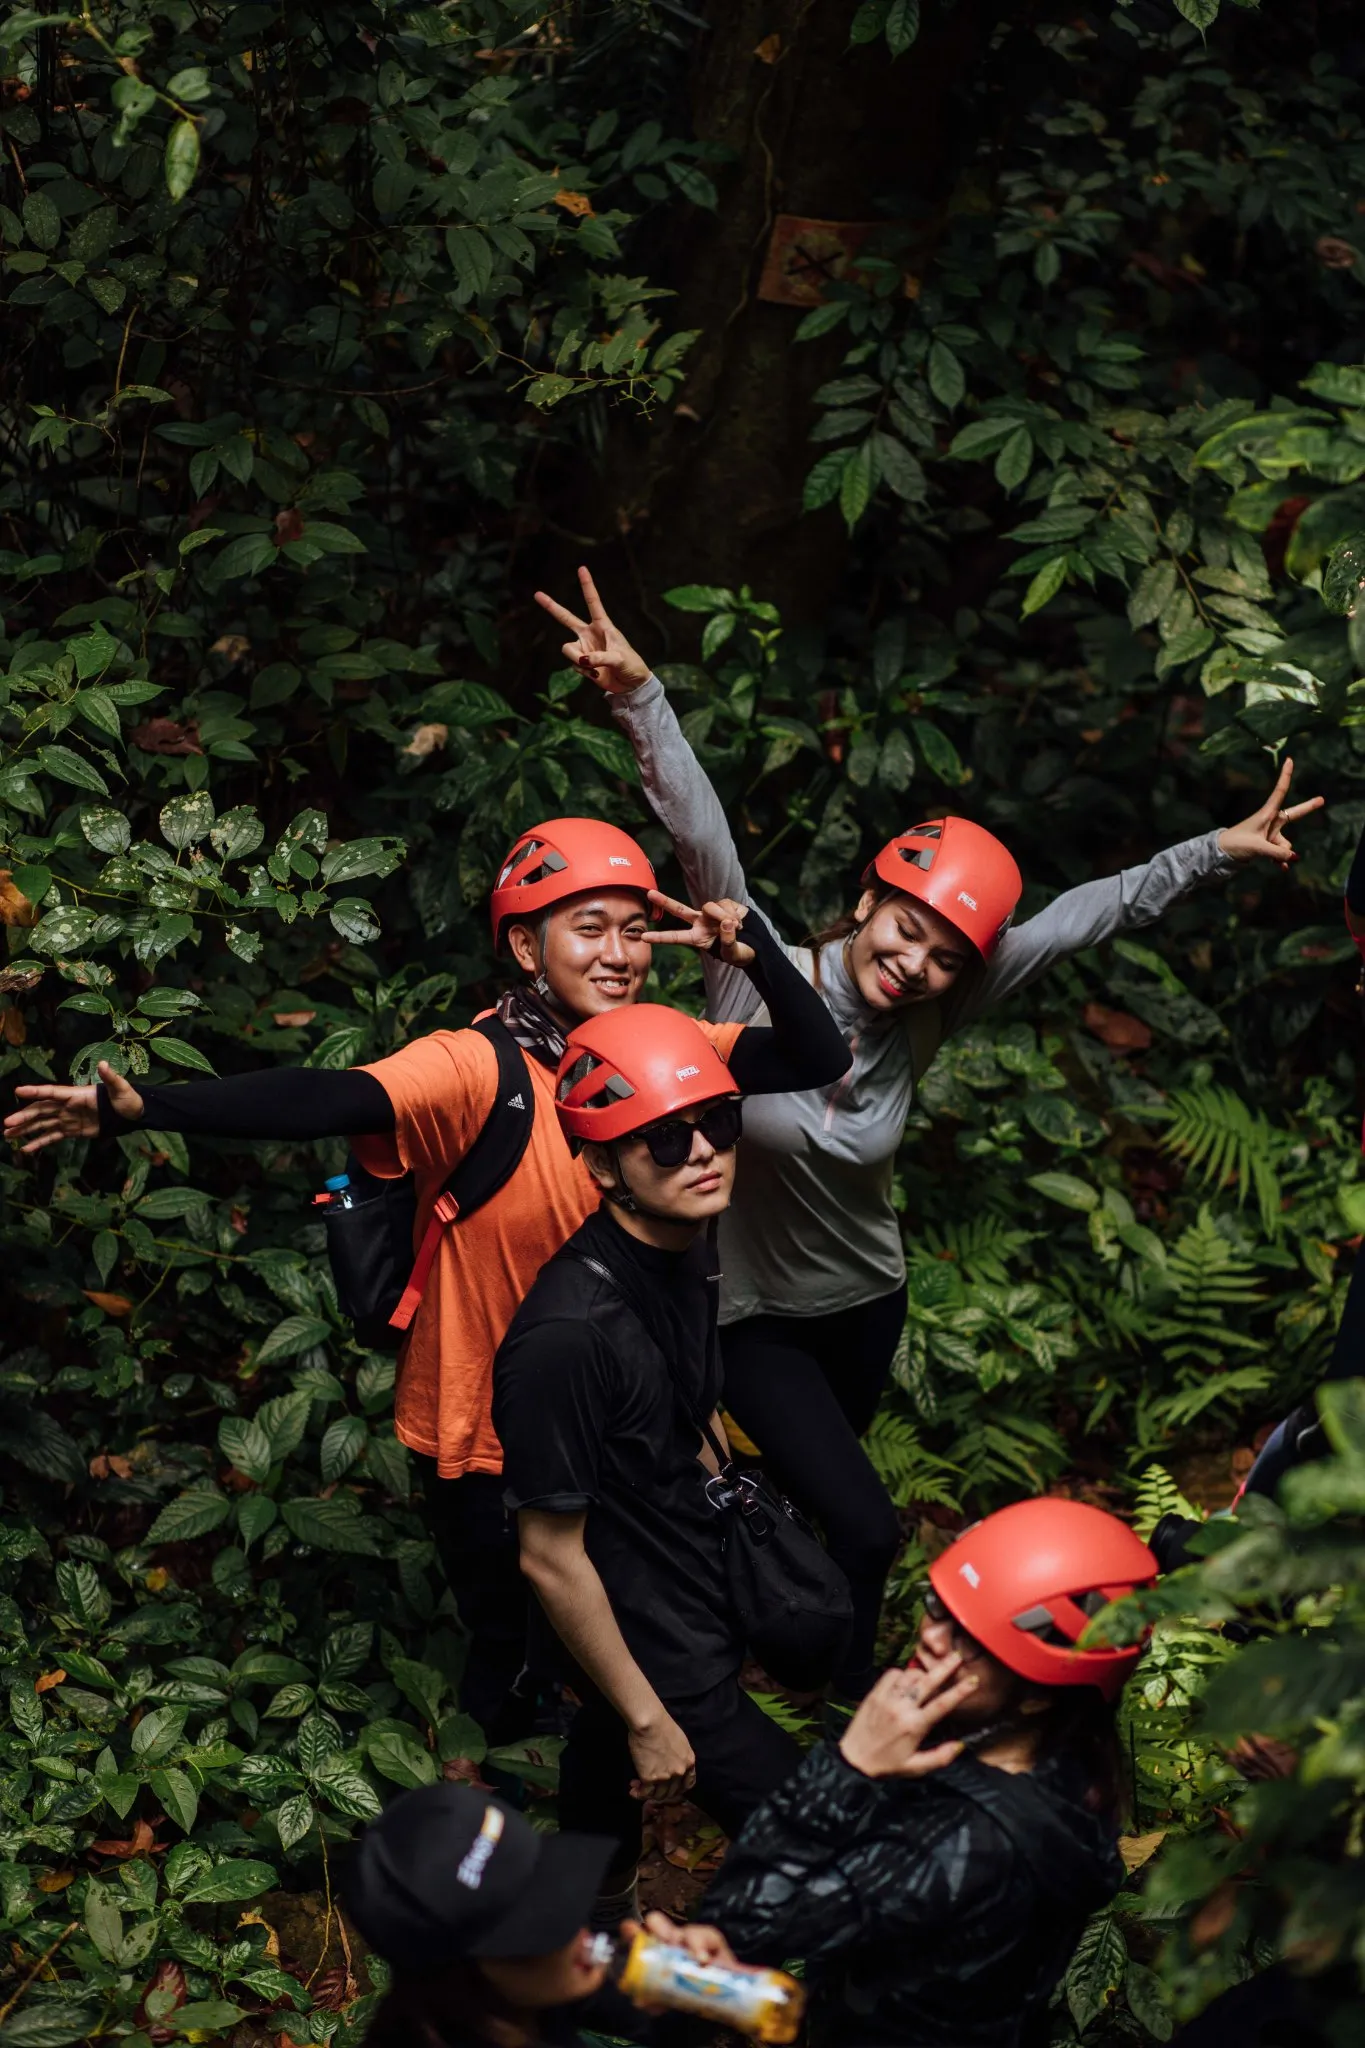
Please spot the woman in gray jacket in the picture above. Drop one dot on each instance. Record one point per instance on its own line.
(813, 1288)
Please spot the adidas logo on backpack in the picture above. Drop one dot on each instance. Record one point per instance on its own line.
(515, 1102)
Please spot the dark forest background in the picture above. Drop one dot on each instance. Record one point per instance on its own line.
(964, 405)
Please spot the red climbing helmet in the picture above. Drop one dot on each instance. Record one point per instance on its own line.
(563, 857)
(960, 870)
(629, 1068)
(1024, 1583)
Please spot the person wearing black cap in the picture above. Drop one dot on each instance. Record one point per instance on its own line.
(484, 1922)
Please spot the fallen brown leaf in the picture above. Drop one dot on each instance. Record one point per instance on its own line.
(13, 1029)
(1214, 1917)
(462, 1770)
(110, 1464)
(427, 739)
(294, 1020)
(576, 203)
(1333, 253)
(48, 1680)
(232, 646)
(769, 50)
(166, 736)
(1116, 1029)
(112, 1304)
(16, 981)
(1139, 1849)
(288, 525)
(15, 907)
(142, 1842)
(56, 1880)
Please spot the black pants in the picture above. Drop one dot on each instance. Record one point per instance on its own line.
(476, 1541)
(741, 1754)
(805, 1388)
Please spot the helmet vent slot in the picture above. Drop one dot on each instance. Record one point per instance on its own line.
(1040, 1622)
(917, 856)
(926, 831)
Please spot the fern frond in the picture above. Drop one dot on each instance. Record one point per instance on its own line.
(908, 1470)
(981, 1246)
(1178, 1410)
(1222, 1139)
(1157, 1495)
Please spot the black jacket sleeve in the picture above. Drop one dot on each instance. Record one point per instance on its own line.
(280, 1102)
(803, 1047)
(815, 1874)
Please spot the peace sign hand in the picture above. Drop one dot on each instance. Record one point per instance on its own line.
(598, 650)
(1263, 832)
(885, 1738)
(713, 929)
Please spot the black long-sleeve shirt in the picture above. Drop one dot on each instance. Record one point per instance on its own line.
(801, 1048)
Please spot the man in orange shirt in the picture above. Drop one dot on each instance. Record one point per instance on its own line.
(571, 905)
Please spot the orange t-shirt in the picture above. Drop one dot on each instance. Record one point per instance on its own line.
(441, 1088)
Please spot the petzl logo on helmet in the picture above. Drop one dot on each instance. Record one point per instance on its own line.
(970, 1573)
(686, 1073)
(475, 1860)
(963, 897)
(617, 860)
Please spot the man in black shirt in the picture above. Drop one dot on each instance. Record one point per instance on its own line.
(592, 1390)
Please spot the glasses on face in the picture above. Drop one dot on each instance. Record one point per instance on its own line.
(670, 1142)
(935, 1611)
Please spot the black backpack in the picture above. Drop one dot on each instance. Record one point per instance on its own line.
(379, 1284)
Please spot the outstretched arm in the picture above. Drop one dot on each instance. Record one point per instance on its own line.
(675, 783)
(280, 1102)
(802, 1046)
(1135, 897)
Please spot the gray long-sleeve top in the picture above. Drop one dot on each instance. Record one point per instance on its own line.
(812, 1229)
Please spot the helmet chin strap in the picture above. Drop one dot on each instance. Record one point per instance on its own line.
(623, 1197)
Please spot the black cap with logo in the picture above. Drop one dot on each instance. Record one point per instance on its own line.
(449, 1871)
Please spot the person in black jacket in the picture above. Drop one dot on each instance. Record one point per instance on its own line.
(936, 1868)
(597, 1390)
(483, 1922)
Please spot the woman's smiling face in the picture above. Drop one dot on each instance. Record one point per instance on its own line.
(903, 952)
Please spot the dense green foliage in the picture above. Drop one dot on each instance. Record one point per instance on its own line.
(307, 313)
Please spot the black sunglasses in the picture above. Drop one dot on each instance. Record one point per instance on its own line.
(670, 1143)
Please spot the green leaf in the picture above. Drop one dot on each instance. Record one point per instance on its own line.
(1343, 574)
(181, 1054)
(355, 920)
(1015, 459)
(71, 767)
(177, 1795)
(471, 258)
(1044, 586)
(228, 1882)
(1203, 13)
(342, 1443)
(902, 25)
(107, 830)
(42, 222)
(823, 482)
(868, 21)
(186, 819)
(296, 1334)
(245, 556)
(293, 1820)
(855, 488)
(190, 1514)
(700, 597)
(332, 1525)
(1066, 1189)
(402, 1758)
(182, 158)
(256, 1513)
(246, 1446)
(159, 1733)
(207, 2017)
(947, 380)
(348, 1790)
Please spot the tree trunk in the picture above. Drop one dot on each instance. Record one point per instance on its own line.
(711, 491)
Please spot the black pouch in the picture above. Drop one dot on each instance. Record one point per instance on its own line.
(792, 1599)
